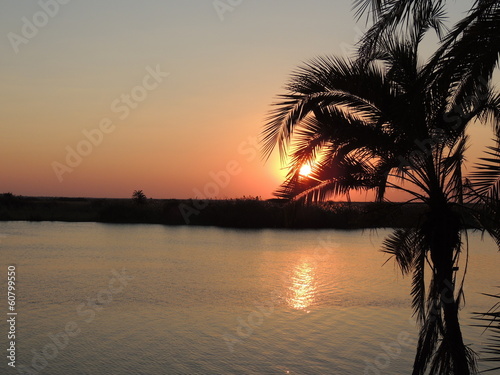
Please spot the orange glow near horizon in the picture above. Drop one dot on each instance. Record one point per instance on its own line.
(161, 97)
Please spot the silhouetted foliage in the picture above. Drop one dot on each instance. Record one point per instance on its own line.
(139, 197)
(230, 213)
(385, 121)
(491, 321)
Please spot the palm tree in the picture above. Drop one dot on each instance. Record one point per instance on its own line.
(139, 197)
(387, 122)
(476, 34)
(467, 55)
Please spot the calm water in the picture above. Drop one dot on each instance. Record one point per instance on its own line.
(214, 301)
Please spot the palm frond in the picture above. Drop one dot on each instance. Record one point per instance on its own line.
(407, 14)
(483, 192)
(451, 170)
(463, 65)
(332, 177)
(427, 341)
(485, 180)
(418, 281)
(282, 122)
(442, 362)
(401, 245)
(366, 7)
(408, 248)
(491, 321)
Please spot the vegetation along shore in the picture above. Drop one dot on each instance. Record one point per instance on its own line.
(246, 212)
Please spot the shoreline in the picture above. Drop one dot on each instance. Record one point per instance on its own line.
(251, 213)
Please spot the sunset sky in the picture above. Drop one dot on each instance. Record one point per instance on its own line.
(173, 94)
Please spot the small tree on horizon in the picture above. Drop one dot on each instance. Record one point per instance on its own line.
(139, 197)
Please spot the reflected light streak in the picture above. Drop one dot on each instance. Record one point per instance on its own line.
(303, 289)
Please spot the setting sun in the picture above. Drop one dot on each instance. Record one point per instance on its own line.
(305, 170)
(222, 184)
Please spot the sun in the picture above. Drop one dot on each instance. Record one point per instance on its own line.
(305, 170)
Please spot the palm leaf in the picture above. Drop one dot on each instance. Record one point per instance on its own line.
(491, 321)
(401, 245)
(410, 15)
(485, 180)
(429, 334)
(408, 248)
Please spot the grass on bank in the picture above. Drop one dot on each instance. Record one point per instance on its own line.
(246, 212)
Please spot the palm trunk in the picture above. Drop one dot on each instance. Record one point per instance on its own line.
(452, 335)
(443, 240)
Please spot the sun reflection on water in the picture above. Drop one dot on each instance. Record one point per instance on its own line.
(302, 288)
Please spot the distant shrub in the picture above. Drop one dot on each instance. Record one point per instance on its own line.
(10, 200)
(139, 197)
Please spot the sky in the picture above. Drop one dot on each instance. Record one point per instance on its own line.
(101, 98)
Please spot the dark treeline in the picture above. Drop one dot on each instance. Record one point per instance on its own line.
(231, 213)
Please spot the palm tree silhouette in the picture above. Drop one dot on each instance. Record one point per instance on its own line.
(139, 197)
(386, 122)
